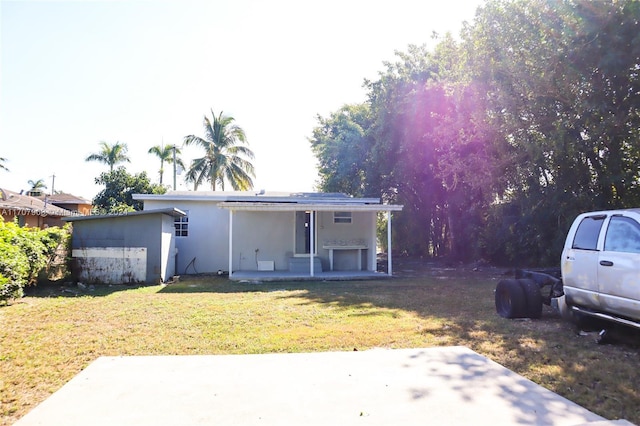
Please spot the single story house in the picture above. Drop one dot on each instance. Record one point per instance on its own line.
(30, 211)
(137, 247)
(275, 235)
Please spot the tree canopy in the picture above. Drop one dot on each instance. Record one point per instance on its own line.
(117, 196)
(496, 141)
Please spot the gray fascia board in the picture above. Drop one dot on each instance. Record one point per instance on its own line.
(255, 199)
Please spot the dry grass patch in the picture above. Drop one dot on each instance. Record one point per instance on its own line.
(49, 337)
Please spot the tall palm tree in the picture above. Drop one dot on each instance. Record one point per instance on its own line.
(225, 155)
(165, 154)
(111, 154)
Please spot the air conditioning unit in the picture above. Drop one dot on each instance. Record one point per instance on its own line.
(266, 265)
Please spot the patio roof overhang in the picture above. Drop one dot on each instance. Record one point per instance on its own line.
(319, 207)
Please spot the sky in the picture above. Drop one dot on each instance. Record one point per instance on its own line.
(144, 73)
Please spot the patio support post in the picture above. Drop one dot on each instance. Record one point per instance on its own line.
(389, 268)
(230, 243)
(311, 242)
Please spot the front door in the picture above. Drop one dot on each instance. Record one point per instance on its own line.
(303, 232)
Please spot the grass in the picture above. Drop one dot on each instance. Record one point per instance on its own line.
(51, 335)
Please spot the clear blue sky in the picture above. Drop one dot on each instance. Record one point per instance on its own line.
(74, 73)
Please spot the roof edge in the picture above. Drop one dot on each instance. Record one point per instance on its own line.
(168, 211)
(249, 197)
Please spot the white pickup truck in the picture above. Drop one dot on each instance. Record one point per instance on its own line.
(599, 273)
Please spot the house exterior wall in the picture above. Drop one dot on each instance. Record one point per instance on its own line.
(31, 220)
(362, 227)
(260, 236)
(76, 208)
(167, 249)
(123, 249)
(206, 247)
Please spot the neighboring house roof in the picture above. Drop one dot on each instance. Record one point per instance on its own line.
(170, 211)
(276, 199)
(25, 204)
(63, 198)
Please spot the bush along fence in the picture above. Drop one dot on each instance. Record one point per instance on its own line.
(27, 253)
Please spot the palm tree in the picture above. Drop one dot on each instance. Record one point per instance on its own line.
(111, 154)
(165, 154)
(2, 166)
(224, 156)
(36, 187)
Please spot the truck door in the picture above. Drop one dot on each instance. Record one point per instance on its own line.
(619, 267)
(580, 263)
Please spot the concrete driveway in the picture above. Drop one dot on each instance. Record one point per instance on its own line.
(438, 386)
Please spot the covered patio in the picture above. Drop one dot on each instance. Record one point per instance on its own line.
(322, 247)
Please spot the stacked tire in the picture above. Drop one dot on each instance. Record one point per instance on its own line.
(518, 298)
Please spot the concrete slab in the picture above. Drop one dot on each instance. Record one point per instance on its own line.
(451, 386)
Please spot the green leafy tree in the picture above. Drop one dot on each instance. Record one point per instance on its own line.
(166, 153)
(226, 156)
(342, 148)
(117, 196)
(496, 142)
(565, 102)
(110, 155)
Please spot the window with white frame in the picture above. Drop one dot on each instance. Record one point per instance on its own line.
(182, 225)
(341, 217)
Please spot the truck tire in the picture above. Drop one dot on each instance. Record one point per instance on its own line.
(510, 299)
(533, 297)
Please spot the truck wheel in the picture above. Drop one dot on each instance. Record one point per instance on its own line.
(533, 297)
(510, 299)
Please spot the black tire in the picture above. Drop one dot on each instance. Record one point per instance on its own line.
(510, 299)
(533, 296)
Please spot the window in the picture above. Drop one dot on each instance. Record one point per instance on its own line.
(341, 217)
(182, 225)
(623, 235)
(587, 234)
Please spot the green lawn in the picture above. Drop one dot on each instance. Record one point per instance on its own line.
(50, 336)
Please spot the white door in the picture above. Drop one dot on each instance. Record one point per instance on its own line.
(619, 267)
(580, 264)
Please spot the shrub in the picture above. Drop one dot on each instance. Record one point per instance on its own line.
(9, 290)
(24, 252)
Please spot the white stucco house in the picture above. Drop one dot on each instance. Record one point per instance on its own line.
(275, 235)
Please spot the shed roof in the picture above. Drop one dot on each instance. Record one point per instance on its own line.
(169, 211)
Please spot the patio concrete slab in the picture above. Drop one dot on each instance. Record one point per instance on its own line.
(452, 386)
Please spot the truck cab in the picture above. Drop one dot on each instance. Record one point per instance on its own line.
(600, 265)
(599, 273)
